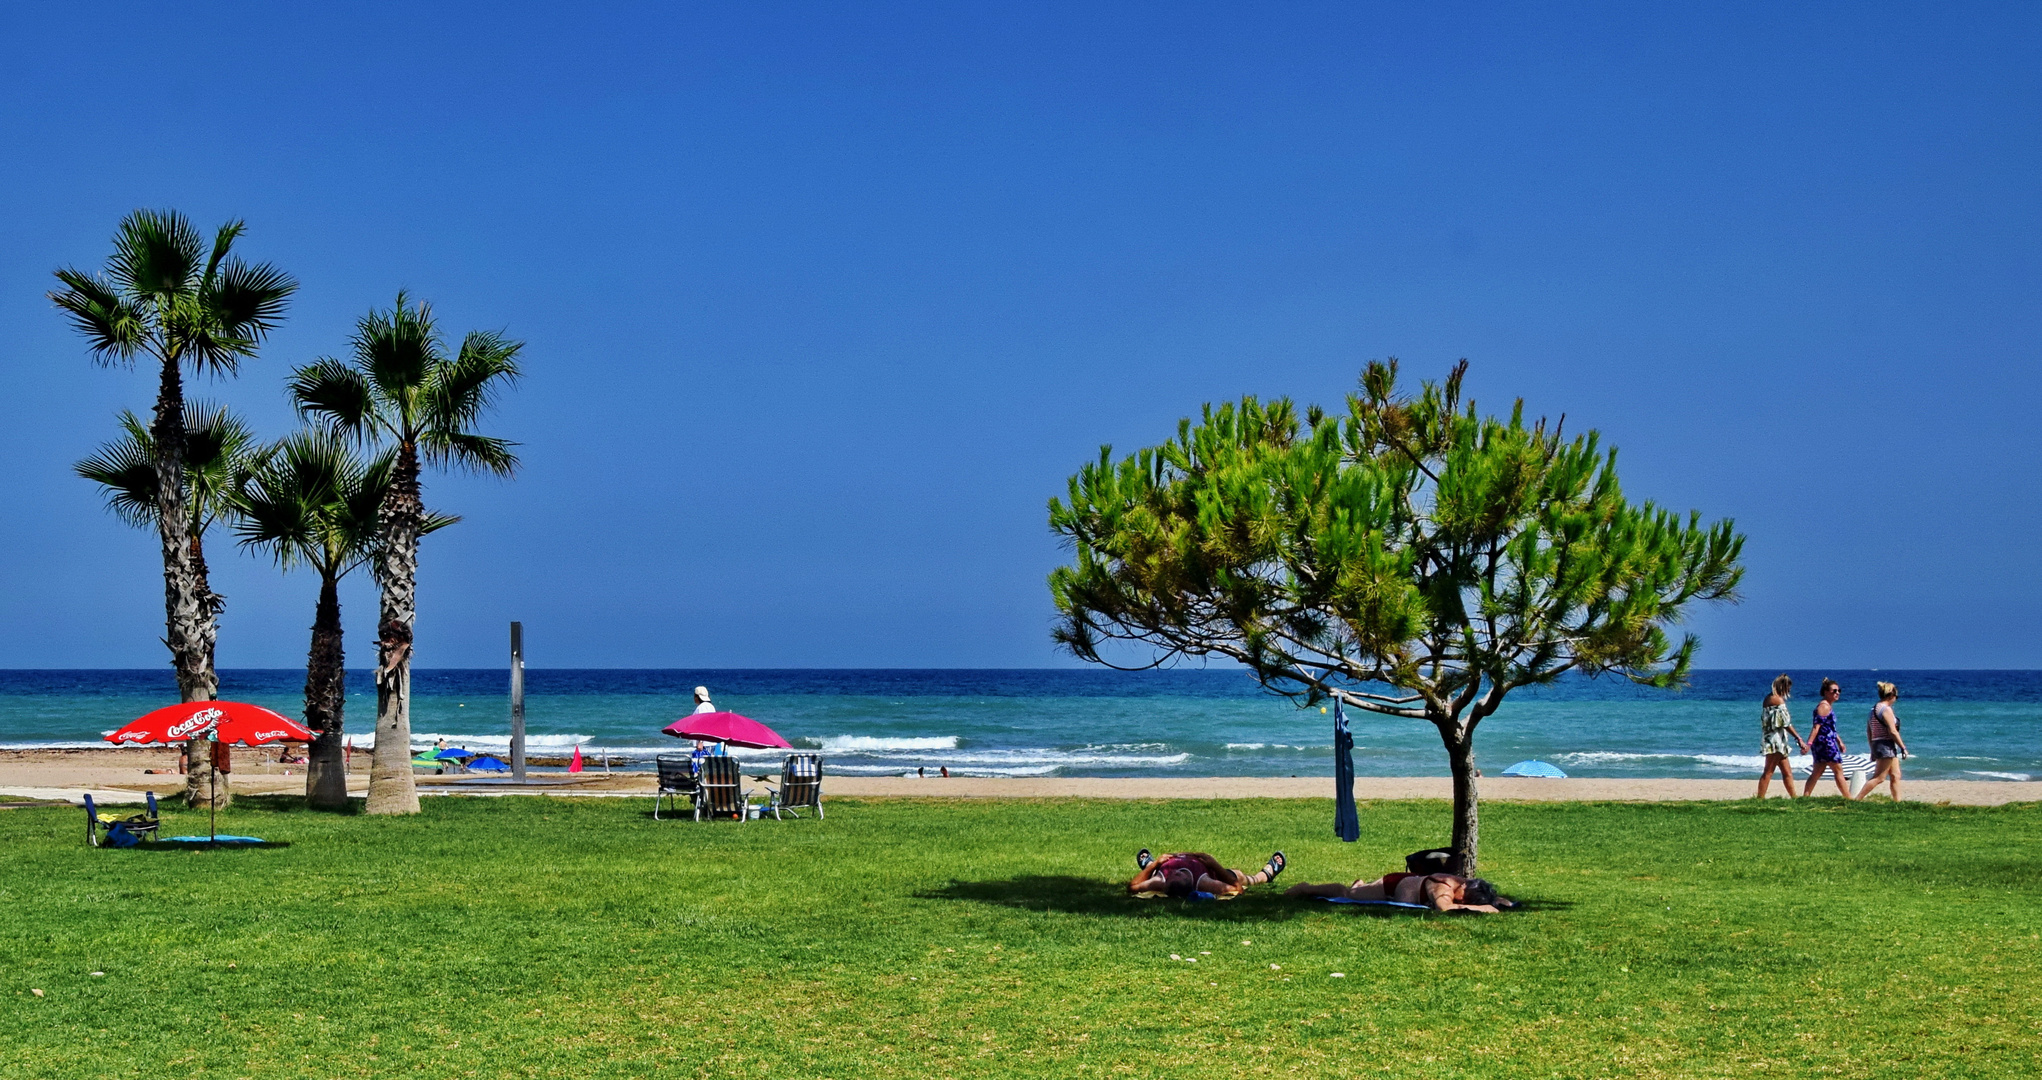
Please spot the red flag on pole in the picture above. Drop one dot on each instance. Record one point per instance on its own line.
(575, 765)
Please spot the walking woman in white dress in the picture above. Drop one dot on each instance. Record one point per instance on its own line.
(1775, 726)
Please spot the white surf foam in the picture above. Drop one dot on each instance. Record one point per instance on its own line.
(955, 770)
(1999, 775)
(847, 744)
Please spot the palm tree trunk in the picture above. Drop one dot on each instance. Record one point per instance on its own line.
(391, 787)
(326, 702)
(183, 595)
(1460, 752)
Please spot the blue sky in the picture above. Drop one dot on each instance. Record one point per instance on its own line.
(823, 303)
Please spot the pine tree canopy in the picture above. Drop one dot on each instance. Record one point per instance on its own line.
(1410, 557)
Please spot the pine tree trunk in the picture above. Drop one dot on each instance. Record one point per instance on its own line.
(326, 703)
(391, 787)
(1460, 750)
(184, 596)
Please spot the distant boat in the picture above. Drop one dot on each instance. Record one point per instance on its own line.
(1534, 768)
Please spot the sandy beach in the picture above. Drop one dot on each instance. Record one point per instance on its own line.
(49, 774)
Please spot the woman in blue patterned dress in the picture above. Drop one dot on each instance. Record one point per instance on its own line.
(1823, 744)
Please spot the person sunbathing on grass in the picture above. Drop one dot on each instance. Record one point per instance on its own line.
(1189, 873)
(1441, 892)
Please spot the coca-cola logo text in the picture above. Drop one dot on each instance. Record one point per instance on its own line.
(197, 723)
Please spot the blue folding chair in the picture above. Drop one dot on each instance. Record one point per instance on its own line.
(120, 832)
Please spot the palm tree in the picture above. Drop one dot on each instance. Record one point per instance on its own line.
(312, 502)
(219, 448)
(164, 296)
(401, 389)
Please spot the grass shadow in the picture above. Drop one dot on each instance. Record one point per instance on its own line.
(269, 804)
(1090, 896)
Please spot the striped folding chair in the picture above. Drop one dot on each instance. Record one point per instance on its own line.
(800, 786)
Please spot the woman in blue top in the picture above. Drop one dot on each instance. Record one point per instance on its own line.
(1823, 744)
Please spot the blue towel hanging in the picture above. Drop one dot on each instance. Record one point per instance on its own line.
(1346, 822)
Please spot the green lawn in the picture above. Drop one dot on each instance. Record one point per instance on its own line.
(543, 937)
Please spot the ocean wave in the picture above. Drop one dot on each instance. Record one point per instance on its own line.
(1726, 762)
(541, 743)
(58, 744)
(896, 770)
(1046, 758)
(1999, 775)
(1301, 747)
(851, 744)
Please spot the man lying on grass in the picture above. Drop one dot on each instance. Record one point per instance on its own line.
(1441, 892)
(1196, 875)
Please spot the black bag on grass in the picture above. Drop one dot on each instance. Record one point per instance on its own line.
(1433, 861)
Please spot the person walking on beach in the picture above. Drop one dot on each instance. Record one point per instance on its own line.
(1882, 730)
(1823, 744)
(1776, 726)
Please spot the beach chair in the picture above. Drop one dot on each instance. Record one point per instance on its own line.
(121, 832)
(677, 777)
(723, 789)
(800, 786)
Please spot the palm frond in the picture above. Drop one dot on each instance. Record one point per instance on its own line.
(156, 255)
(313, 502)
(114, 327)
(334, 395)
(220, 450)
(223, 242)
(249, 300)
(464, 388)
(464, 450)
(397, 350)
(126, 468)
(230, 316)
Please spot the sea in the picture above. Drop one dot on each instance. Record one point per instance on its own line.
(1969, 725)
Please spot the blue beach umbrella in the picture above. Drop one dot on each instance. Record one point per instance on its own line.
(1346, 822)
(1534, 768)
(486, 763)
(451, 752)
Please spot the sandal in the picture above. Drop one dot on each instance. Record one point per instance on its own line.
(1274, 866)
(1142, 859)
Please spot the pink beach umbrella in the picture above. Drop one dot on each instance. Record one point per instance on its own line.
(727, 727)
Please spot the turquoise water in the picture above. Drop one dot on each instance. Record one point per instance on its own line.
(1086, 722)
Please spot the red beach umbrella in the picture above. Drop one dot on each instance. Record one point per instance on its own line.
(727, 727)
(226, 721)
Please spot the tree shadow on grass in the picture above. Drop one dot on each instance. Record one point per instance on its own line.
(293, 804)
(1090, 896)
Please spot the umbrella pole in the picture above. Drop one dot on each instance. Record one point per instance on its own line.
(213, 805)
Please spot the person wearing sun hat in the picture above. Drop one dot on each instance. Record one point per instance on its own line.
(704, 705)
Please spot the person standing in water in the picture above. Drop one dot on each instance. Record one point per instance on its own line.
(1776, 726)
(1882, 730)
(1823, 744)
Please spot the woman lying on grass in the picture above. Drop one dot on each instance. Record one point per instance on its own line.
(1192, 872)
(1441, 892)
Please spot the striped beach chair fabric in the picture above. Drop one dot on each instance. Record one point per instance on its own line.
(800, 786)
